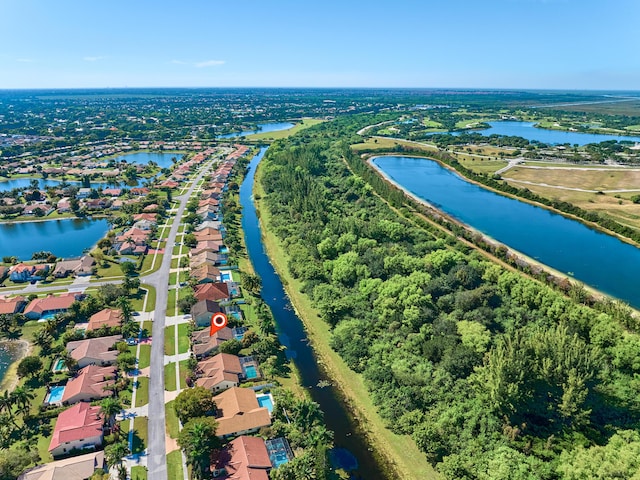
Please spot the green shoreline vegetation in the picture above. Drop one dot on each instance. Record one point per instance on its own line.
(441, 336)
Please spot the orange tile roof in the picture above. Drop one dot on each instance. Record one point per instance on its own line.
(106, 317)
(239, 410)
(90, 381)
(41, 305)
(244, 458)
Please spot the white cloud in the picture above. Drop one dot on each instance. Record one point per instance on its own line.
(209, 63)
(93, 59)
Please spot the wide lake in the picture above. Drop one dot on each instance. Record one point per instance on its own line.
(597, 259)
(162, 159)
(262, 128)
(43, 183)
(552, 137)
(64, 238)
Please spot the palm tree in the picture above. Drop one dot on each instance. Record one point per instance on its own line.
(6, 402)
(115, 453)
(22, 397)
(109, 408)
(197, 439)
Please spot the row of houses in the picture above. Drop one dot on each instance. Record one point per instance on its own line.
(77, 267)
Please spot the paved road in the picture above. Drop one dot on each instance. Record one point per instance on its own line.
(157, 455)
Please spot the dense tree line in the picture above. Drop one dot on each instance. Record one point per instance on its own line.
(493, 374)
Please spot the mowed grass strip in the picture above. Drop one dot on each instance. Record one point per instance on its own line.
(399, 451)
(142, 392)
(170, 377)
(172, 422)
(145, 356)
(170, 340)
(140, 434)
(174, 464)
(183, 338)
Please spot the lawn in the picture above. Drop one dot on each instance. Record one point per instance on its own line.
(172, 423)
(142, 392)
(151, 297)
(183, 338)
(140, 434)
(148, 261)
(147, 328)
(174, 464)
(184, 372)
(306, 123)
(171, 302)
(145, 356)
(138, 473)
(170, 340)
(480, 165)
(170, 377)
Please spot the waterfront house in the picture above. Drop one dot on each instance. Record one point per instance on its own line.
(202, 344)
(209, 202)
(202, 311)
(90, 383)
(112, 192)
(32, 208)
(208, 246)
(77, 428)
(75, 468)
(239, 413)
(207, 258)
(140, 191)
(217, 292)
(244, 458)
(209, 234)
(107, 317)
(83, 193)
(215, 224)
(205, 273)
(98, 351)
(9, 306)
(79, 267)
(64, 205)
(219, 372)
(144, 225)
(50, 305)
(25, 273)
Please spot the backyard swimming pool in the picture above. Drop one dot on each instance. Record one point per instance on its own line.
(59, 365)
(265, 401)
(250, 372)
(55, 394)
(225, 276)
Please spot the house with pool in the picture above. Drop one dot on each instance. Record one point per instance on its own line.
(97, 351)
(47, 307)
(240, 412)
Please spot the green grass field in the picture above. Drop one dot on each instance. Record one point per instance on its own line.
(170, 340)
(183, 338)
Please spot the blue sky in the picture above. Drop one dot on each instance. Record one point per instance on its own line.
(564, 44)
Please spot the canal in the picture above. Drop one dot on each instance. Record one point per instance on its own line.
(292, 335)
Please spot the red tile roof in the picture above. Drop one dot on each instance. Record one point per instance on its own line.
(80, 421)
(245, 458)
(50, 303)
(107, 317)
(91, 382)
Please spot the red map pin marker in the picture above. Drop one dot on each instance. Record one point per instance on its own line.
(218, 322)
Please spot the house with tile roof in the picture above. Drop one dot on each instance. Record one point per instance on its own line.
(77, 428)
(239, 413)
(202, 344)
(244, 458)
(97, 351)
(12, 305)
(81, 467)
(217, 292)
(50, 305)
(107, 317)
(90, 383)
(219, 372)
(79, 267)
(202, 311)
(25, 273)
